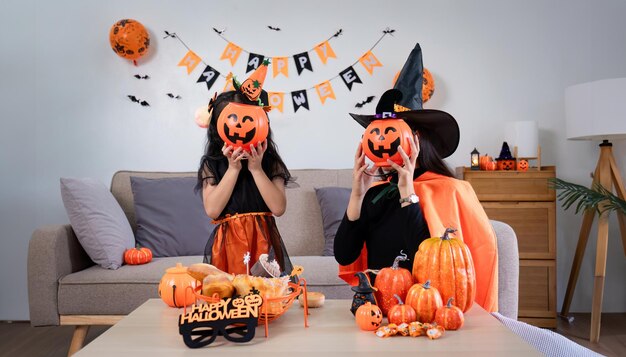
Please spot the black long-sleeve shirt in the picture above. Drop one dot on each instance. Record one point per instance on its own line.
(385, 227)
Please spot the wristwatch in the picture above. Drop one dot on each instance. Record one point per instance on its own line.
(412, 198)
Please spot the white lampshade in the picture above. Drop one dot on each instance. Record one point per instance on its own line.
(596, 110)
(524, 135)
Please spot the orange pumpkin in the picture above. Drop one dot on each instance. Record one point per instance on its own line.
(242, 125)
(383, 137)
(401, 313)
(173, 287)
(129, 39)
(484, 161)
(368, 317)
(425, 300)
(506, 165)
(448, 263)
(392, 281)
(449, 316)
(137, 256)
(522, 165)
(491, 166)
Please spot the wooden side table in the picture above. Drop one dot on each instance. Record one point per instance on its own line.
(524, 201)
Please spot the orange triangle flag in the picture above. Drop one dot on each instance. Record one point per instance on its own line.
(191, 60)
(229, 83)
(277, 100)
(280, 65)
(325, 90)
(324, 51)
(231, 52)
(369, 61)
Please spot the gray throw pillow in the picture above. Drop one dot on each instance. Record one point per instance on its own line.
(98, 221)
(333, 204)
(170, 215)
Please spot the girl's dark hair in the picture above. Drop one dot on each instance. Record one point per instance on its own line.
(429, 159)
(272, 164)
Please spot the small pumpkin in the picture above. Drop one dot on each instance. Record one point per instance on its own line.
(491, 166)
(173, 287)
(449, 316)
(401, 313)
(448, 263)
(368, 317)
(425, 300)
(383, 137)
(137, 256)
(242, 125)
(507, 165)
(392, 281)
(483, 161)
(522, 165)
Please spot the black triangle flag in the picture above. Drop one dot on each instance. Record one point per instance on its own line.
(299, 99)
(303, 62)
(350, 77)
(209, 76)
(254, 61)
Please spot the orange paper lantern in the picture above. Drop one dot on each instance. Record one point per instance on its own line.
(173, 287)
(129, 39)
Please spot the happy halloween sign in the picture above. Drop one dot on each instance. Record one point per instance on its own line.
(235, 319)
(280, 66)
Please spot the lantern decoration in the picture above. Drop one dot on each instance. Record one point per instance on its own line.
(173, 286)
(392, 281)
(522, 165)
(425, 300)
(368, 317)
(129, 39)
(383, 137)
(506, 161)
(137, 256)
(363, 293)
(474, 163)
(449, 316)
(447, 262)
(401, 313)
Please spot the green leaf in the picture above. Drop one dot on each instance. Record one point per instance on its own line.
(597, 197)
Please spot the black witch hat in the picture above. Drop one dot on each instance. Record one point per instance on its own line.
(405, 102)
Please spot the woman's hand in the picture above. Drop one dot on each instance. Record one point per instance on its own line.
(234, 156)
(405, 172)
(361, 182)
(255, 158)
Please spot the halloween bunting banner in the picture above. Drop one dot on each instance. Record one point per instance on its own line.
(280, 66)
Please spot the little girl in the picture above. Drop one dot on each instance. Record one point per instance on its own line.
(242, 191)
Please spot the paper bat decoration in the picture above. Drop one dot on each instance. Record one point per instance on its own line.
(142, 102)
(218, 31)
(340, 32)
(368, 100)
(174, 96)
(389, 31)
(273, 28)
(138, 76)
(167, 34)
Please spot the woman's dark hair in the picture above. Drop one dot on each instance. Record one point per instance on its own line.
(429, 159)
(272, 164)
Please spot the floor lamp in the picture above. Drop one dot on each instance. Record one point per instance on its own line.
(597, 111)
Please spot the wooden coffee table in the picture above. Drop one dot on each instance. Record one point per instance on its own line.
(152, 330)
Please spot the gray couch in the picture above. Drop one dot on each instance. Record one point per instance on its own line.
(66, 288)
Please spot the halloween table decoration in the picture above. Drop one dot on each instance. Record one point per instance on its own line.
(474, 160)
(368, 317)
(137, 256)
(363, 293)
(506, 161)
(173, 286)
(425, 300)
(522, 165)
(449, 316)
(392, 281)
(401, 313)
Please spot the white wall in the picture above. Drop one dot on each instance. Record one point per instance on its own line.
(65, 112)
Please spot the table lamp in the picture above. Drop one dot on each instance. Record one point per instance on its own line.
(597, 111)
(523, 135)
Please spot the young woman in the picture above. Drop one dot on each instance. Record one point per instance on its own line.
(420, 199)
(242, 191)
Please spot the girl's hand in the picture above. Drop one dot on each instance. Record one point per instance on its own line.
(255, 158)
(234, 156)
(361, 174)
(405, 172)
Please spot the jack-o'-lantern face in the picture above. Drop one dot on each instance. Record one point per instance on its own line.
(242, 125)
(253, 299)
(382, 139)
(251, 88)
(506, 165)
(522, 165)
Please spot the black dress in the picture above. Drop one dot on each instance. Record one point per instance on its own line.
(384, 227)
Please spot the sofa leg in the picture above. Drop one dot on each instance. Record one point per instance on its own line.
(80, 332)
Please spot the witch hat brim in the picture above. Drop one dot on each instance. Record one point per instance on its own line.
(442, 127)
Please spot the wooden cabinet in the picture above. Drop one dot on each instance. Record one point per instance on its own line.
(524, 201)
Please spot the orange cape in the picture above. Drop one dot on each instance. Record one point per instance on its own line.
(448, 202)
